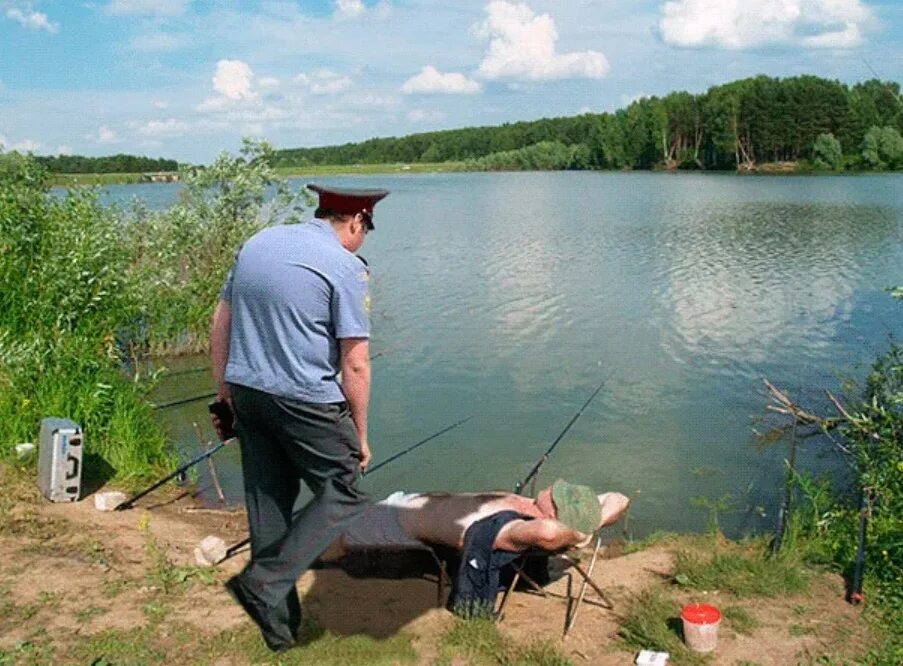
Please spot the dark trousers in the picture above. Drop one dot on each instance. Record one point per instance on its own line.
(284, 442)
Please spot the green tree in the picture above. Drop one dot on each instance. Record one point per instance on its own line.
(431, 154)
(882, 148)
(827, 152)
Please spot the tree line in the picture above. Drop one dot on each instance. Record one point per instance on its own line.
(738, 125)
(110, 164)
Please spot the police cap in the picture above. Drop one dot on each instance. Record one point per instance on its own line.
(347, 201)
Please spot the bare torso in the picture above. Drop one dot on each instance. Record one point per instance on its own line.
(444, 518)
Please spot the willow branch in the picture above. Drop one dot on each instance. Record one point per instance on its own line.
(784, 405)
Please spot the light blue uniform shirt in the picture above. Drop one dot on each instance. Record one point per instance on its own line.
(294, 293)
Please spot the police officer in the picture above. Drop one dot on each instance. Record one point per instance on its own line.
(290, 352)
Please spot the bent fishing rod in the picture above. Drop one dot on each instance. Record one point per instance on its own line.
(241, 544)
(545, 456)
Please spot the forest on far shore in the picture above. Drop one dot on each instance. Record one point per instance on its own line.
(110, 164)
(739, 125)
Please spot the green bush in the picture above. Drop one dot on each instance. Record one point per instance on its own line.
(89, 290)
(545, 155)
(824, 525)
(180, 256)
(827, 153)
(882, 148)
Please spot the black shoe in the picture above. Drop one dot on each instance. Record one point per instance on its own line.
(275, 630)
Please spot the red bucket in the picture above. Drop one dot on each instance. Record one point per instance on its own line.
(701, 623)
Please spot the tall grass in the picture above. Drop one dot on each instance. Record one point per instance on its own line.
(478, 641)
(88, 290)
(824, 524)
(744, 572)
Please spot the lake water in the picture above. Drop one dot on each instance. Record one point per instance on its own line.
(510, 297)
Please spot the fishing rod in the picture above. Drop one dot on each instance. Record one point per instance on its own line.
(545, 456)
(186, 371)
(182, 401)
(411, 448)
(195, 398)
(238, 546)
(784, 512)
(127, 504)
(855, 596)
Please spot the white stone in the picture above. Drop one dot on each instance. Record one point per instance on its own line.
(109, 500)
(211, 551)
(25, 449)
(650, 658)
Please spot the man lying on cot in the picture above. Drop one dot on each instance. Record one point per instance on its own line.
(562, 516)
(490, 530)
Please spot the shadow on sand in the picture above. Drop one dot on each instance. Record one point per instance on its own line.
(374, 593)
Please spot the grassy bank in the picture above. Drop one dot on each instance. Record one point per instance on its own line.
(369, 169)
(90, 290)
(91, 179)
(528, 160)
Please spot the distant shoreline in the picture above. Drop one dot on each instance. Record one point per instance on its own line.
(764, 169)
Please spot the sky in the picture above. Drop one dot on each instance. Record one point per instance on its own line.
(187, 79)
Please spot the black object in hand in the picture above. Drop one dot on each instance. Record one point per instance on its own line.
(223, 412)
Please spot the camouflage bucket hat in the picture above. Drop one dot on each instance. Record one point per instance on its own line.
(576, 506)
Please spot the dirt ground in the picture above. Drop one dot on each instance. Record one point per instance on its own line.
(67, 562)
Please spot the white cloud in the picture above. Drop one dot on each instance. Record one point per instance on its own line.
(237, 104)
(147, 7)
(64, 150)
(356, 9)
(742, 24)
(849, 37)
(324, 82)
(431, 80)
(105, 135)
(349, 8)
(233, 80)
(372, 100)
(26, 146)
(161, 104)
(28, 18)
(522, 46)
(168, 127)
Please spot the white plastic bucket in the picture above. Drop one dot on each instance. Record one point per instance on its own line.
(701, 622)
